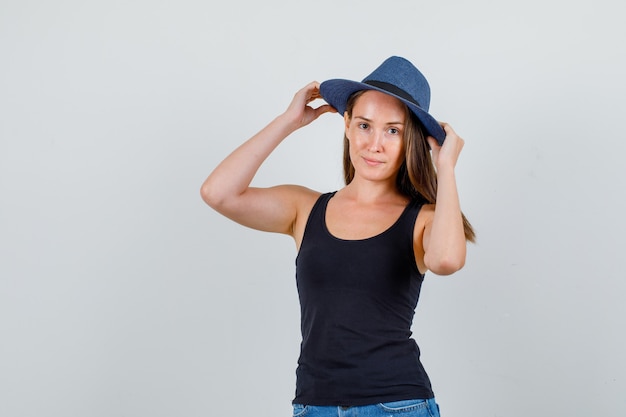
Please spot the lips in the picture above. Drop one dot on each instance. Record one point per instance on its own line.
(372, 162)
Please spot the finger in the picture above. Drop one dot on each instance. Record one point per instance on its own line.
(447, 128)
(325, 108)
(313, 97)
(432, 142)
(313, 94)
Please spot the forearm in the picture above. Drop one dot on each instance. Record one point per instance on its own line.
(233, 175)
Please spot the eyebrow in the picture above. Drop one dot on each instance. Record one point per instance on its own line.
(370, 121)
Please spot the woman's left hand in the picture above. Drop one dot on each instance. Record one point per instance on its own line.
(446, 155)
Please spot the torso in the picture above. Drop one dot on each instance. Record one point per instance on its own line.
(358, 291)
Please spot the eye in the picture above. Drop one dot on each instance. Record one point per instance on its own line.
(363, 125)
(394, 131)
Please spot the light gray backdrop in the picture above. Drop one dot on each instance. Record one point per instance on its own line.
(122, 294)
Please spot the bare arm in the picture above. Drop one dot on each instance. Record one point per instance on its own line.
(227, 189)
(444, 239)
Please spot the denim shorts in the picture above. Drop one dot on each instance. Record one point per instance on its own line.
(405, 408)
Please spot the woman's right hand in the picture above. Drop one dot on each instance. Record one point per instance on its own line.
(299, 113)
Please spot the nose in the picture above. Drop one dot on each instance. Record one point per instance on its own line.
(376, 142)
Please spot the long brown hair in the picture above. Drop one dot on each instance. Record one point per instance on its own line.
(417, 178)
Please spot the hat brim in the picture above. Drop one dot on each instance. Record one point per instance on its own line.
(337, 91)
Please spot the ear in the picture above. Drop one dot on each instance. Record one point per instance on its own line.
(346, 121)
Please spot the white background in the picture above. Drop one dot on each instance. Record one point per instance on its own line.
(122, 294)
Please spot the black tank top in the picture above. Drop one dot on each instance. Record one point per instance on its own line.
(357, 301)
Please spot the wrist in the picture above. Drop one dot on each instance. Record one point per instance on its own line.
(289, 121)
(445, 169)
(285, 124)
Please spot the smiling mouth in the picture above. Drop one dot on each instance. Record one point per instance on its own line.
(372, 161)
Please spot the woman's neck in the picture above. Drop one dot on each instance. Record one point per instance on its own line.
(370, 192)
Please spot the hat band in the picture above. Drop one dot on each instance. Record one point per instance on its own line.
(393, 90)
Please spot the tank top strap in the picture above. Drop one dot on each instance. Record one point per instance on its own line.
(409, 215)
(317, 218)
(318, 212)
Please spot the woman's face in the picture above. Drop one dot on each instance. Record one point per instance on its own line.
(375, 133)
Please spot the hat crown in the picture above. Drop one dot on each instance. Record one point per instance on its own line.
(398, 72)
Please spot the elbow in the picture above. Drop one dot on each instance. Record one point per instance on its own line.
(210, 195)
(445, 265)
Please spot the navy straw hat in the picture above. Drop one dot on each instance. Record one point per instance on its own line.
(397, 77)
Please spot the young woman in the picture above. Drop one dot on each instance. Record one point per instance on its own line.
(364, 249)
